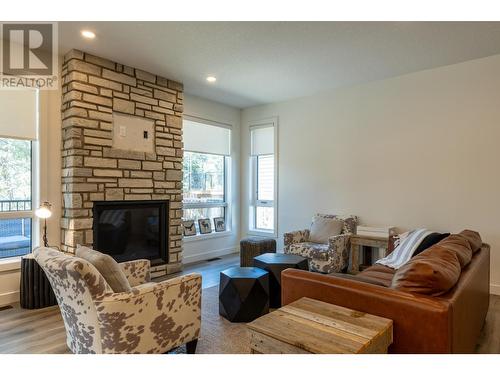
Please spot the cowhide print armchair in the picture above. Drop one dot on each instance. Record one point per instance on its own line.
(151, 318)
(325, 258)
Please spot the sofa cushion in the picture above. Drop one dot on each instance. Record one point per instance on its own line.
(378, 274)
(107, 267)
(429, 241)
(460, 246)
(473, 238)
(359, 277)
(322, 228)
(433, 272)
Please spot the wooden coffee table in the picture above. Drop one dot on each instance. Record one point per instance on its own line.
(309, 326)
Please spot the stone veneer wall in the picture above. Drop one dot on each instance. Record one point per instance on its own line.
(93, 88)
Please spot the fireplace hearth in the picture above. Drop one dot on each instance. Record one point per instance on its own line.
(129, 230)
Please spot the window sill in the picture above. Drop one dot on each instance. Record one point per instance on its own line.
(208, 236)
(10, 264)
(262, 233)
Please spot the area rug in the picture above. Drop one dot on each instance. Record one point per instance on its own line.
(218, 335)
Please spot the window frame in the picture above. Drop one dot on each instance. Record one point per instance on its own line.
(226, 204)
(254, 201)
(34, 171)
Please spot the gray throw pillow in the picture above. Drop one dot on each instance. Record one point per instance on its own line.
(323, 228)
(107, 267)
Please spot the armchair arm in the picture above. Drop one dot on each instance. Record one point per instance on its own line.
(432, 316)
(136, 271)
(339, 242)
(296, 237)
(152, 318)
(335, 259)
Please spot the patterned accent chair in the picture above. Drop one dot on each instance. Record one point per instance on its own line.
(324, 258)
(151, 318)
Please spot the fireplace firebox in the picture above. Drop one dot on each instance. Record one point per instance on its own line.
(129, 230)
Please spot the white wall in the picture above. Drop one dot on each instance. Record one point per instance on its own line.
(9, 282)
(50, 162)
(201, 248)
(419, 150)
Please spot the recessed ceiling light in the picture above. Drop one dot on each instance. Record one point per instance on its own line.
(88, 34)
(211, 79)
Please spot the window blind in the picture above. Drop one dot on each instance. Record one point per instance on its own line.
(18, 113)
(262, 140)
(265, 177)
(204, 138)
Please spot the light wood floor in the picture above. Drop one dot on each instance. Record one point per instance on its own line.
(42, 331)
(209, 270)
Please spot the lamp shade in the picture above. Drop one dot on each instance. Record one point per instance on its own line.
(44, 212)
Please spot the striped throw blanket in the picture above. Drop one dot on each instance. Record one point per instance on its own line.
(404, 251)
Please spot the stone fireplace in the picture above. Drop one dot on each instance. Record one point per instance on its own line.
(100, 166)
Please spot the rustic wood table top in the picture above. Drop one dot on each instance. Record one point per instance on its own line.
(311, 326)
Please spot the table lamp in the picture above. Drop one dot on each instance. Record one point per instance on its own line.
(44, 212)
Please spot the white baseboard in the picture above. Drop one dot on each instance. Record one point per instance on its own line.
(9, 298)
(209, 254)
(495, 289)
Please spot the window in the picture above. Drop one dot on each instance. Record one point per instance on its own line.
(264, 204)
(15, 197)
(204, 182)
(18, 129)
(263, 163)
(205, 166)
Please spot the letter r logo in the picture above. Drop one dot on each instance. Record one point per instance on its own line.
(27, 49)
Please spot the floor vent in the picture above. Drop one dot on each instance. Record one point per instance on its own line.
(5, 308)
(212, 259)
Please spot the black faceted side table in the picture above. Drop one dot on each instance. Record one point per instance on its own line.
(274, 264)
(243, 293)
(35, 289)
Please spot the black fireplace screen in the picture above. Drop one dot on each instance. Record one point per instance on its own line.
(129, 230)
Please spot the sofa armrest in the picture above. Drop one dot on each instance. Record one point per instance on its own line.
(296, 236)
(421, 324)
(136, 271)
(152, 318)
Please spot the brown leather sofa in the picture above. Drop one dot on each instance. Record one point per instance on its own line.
(449, 323)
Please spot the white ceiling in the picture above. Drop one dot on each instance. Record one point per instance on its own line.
(264, 62)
